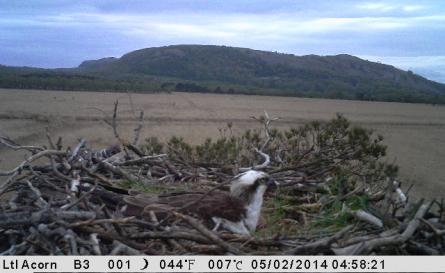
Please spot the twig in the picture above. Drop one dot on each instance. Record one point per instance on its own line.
(77, 149)
(80, 199)
(41, 203)
(207, 233)
(364, 216)
(369, 245)
(137, 130)
(93, 222)
(31, 159)
(95, 243)
(135, 149)
(11, 144)
(320, 245)
(121, 248)
(50, 141)
(114, 121)
(124, 174)
(171, 241)
(438, 232)
(11, 219)
(182, 234)
(141, 160)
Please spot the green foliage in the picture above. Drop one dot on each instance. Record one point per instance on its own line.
(333, 216)
(46, 79)
(350, 156)
(147, 188)
(359, 201)
(179, 149)
(334, 146)
(153, 146)
(332, 219)
(157, 188)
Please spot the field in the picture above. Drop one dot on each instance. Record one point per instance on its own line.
(415, 133)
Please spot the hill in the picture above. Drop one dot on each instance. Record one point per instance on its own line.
(220, 69)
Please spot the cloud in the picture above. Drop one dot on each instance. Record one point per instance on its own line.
(411, 8)
(376, 6)
(222, 25)
(385, 7)
(64, 33)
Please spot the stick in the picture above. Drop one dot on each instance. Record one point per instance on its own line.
(172, 234)
(41, 203)
(11, 144)
(171, 241)
(322, 244)
(207, 233)
(364, 216)
(50, 141)
(137, 130)
(77, 149)
(31, 159)
(124, 174)
(134, 149)
(114, 121)
(438, 232)
(95, 243)
(141, 160)
(119, 247)
(11, 219)
(366, 247)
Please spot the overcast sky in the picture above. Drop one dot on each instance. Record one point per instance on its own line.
(63, 33)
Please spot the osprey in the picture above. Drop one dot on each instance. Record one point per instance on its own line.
(237, 211)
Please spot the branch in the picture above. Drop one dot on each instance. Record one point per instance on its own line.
(322, 244)
(364, 216)
(11, 144)
(128, 176)
(137, 130)
(114, 121)
(207, 233)
(31, 159)
(368, 246)
(265, 120)
(77, 149)
(11, 219)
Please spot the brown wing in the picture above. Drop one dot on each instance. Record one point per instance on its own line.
(202, 205)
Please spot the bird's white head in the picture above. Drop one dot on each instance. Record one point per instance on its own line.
(250, 187)
(247, 180)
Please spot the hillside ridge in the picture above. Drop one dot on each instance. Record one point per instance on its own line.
(223, 69)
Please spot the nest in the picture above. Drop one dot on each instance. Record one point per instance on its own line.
(65, 202)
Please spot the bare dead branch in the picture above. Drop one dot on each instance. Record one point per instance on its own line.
(208, 233)
(137, 130)
(366, 247)
(76, 150)
(320, 245)
(31, 159)
(11, 144)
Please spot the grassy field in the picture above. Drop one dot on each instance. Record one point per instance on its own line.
(415, 133)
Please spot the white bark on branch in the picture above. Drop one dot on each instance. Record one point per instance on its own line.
(77, 149)
(265, 120)
(363, 216)
(366, 247)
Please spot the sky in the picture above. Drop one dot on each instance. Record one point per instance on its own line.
(62, 33)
